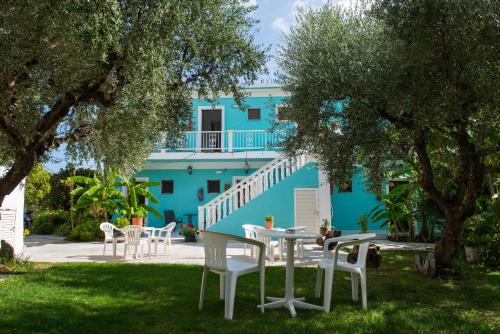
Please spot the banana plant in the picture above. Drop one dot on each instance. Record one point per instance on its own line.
(131, 207)
(98, 195)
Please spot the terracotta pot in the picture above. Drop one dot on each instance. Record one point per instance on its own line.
(139, 221)
(472, 254)
(190, 238)
(323, 230)
(269, 224)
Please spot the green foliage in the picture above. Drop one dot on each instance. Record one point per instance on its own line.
(268, 217)
(45, 222)
(121, 222)
(37, 188)
(325, 223)
(112, 79)
(130, 206)
(59, 197)
(87, 229)
(98, 195)
(19, 264)
(63, 230)
(363, 223)
(189, 231)
(483, 231)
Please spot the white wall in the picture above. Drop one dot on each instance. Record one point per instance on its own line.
(15, 200)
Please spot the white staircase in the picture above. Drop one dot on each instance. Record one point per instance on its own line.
(249, 188)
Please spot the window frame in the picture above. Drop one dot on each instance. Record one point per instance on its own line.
(254, 119)
(162, 182)
(208, 187)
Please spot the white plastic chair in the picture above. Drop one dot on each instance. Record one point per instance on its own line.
(229, 269)
(329, 264)
(250, 234)
(109, 236)
(271, 245)
(163, 235)
(133, 238)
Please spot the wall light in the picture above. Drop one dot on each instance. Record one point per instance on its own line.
(190, 170)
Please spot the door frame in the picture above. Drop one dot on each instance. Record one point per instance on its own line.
(318, 223)
(222, 126)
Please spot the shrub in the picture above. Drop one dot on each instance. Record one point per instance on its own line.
(87, 230)
(45, 222)
(63, 229)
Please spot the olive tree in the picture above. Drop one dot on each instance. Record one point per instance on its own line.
(411, 82)
(109, 79)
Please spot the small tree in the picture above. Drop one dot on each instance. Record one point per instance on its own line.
(405, 81)
(110, 78)
(37, 188)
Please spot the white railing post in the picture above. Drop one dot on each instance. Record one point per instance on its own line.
(230, 140)
(201, 220)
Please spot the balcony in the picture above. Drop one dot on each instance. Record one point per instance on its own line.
(229, 141)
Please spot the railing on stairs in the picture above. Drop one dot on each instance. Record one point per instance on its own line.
(249, 188)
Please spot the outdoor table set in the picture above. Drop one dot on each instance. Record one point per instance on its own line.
(260, 241)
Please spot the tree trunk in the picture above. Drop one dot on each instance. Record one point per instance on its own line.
(447, 247)
(17, 172)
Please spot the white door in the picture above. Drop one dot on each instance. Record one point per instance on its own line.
(7, 225)
(306, 208)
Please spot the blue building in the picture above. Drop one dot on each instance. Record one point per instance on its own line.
(228, 170)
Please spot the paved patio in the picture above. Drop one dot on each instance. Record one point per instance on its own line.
(48, 248)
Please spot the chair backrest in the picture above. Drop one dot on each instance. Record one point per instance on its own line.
(249, 230)
(132, 234)
(169, 216)
(108, 229)
(215, 250)
(260, 236)
(361, 239)
(167, 230)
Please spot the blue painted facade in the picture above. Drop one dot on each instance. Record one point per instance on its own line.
(226, 163)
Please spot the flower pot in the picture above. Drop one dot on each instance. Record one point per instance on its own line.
(323, 230)
(269, 224)
(472, 254)
(137, 221)
(189, 238)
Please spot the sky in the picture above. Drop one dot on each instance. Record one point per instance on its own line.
(275, 18)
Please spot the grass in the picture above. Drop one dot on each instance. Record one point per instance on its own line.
(153, 298)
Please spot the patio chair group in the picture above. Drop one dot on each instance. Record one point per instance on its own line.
(262, 247)
(133, 236)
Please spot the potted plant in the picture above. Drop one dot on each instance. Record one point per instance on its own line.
(130, 207)
(323, 229)
(269, 221)
(363, 223)
(189, 231)
(472, 237)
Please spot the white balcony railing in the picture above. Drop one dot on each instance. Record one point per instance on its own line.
(229, 141)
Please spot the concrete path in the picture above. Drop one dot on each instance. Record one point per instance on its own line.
(41, 248)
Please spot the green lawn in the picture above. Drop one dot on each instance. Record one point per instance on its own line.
(143, 298)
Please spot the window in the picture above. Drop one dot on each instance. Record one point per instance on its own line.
(280, 110)
(345, 187)
(213, 186)
(254, 113)
(167, 186)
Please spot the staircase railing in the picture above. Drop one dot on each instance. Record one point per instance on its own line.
(249, 188)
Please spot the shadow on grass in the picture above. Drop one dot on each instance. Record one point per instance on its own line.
(146, 298)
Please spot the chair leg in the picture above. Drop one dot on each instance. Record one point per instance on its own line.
(327, 294)
(149, 249)
(354, 286)
(319, 278)
(156, 247)
(262, 288)
(125, 251)
(169, 246)
(221, 287)
(203, 286)
(364, 296)
(114, 248)
(104, 250)
(230, 293)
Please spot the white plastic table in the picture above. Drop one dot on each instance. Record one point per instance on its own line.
(289, 301)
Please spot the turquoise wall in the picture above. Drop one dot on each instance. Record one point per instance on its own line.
(184, 199)
(348, 207)
(237, 119)
(278, 201)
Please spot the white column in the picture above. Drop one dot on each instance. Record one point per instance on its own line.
(325, 201)
(230, 140)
